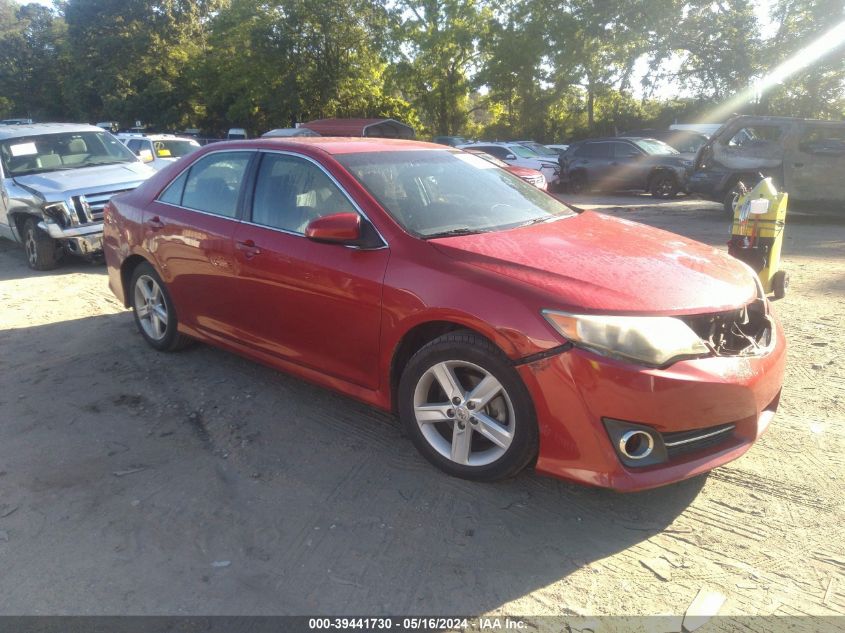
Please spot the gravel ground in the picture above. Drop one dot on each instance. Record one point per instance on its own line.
(200, 483)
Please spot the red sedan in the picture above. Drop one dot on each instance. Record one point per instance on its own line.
(502, 327)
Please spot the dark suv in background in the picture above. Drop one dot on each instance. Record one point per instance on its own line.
(623, 163)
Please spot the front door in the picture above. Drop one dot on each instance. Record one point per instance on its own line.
(313, 303)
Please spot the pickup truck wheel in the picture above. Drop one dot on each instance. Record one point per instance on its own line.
(664, 186)
(780, 284)
(42, 251)
(154, 313)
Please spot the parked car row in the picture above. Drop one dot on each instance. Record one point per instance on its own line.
(804, 157)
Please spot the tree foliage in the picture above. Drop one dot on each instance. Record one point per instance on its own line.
(544, 69)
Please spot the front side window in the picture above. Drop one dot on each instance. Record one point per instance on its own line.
(756, 135)
(624, 150)
(26, 155)
(433, 193)
(214, 183)
(292, 191)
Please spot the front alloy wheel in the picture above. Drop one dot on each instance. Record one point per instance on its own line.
(466, 408)
(464, 413)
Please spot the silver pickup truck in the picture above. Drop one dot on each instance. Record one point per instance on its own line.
(55, 180)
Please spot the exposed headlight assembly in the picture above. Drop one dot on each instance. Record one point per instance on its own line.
(652, 341)
(58, 213)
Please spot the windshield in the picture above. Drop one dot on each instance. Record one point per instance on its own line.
(654, 147)
(70, 150)
(174, 148)
(437, 193)
(540, 149)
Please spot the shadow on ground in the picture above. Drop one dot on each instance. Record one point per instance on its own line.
(138, 482)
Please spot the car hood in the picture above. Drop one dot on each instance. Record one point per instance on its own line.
(596, 263)
(57, 184)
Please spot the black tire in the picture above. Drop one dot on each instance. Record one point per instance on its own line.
(170, 339)
(664, 186)
(42, 251)
(472, 349)
(780, 284)
(733, 194)
(578, 183)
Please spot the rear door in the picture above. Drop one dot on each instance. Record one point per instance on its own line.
(814, 164)
(189, 231)
(628, 168)
(316, 304)
(594, 159)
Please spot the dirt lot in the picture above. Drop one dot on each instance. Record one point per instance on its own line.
(199, 483)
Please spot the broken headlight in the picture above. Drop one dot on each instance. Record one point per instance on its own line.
(652, 341)
(57, 213)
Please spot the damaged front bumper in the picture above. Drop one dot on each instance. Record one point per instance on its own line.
(86, 240)
(701, 413)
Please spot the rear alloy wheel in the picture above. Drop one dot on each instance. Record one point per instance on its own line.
(42, 251)
(153, 310)
(467, 410)
(664, 186)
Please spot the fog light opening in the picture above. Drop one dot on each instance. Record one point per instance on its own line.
(636, 444)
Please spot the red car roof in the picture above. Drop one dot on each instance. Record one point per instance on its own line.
(349, 145)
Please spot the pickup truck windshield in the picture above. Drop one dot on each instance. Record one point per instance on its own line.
(434, 193)
(68, 150)
(174, 149)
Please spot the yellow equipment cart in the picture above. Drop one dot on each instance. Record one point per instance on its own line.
(757, 234)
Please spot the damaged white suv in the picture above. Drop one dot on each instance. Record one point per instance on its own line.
(55, 180)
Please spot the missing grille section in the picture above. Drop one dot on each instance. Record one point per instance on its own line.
(743, 332)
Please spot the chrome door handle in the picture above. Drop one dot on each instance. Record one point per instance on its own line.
(248, 248)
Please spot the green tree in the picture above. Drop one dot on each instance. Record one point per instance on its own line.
(138, 66)
(32, 37)
(438, 56)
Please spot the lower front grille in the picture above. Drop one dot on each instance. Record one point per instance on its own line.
(683, 442)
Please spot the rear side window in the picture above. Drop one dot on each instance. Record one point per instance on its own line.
(173, 193)
(214, 183)
(291, 191)
(594, 150)
(495, 150)
(828, 140)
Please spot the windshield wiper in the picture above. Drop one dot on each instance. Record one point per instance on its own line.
(106, 162)
(454, 232)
